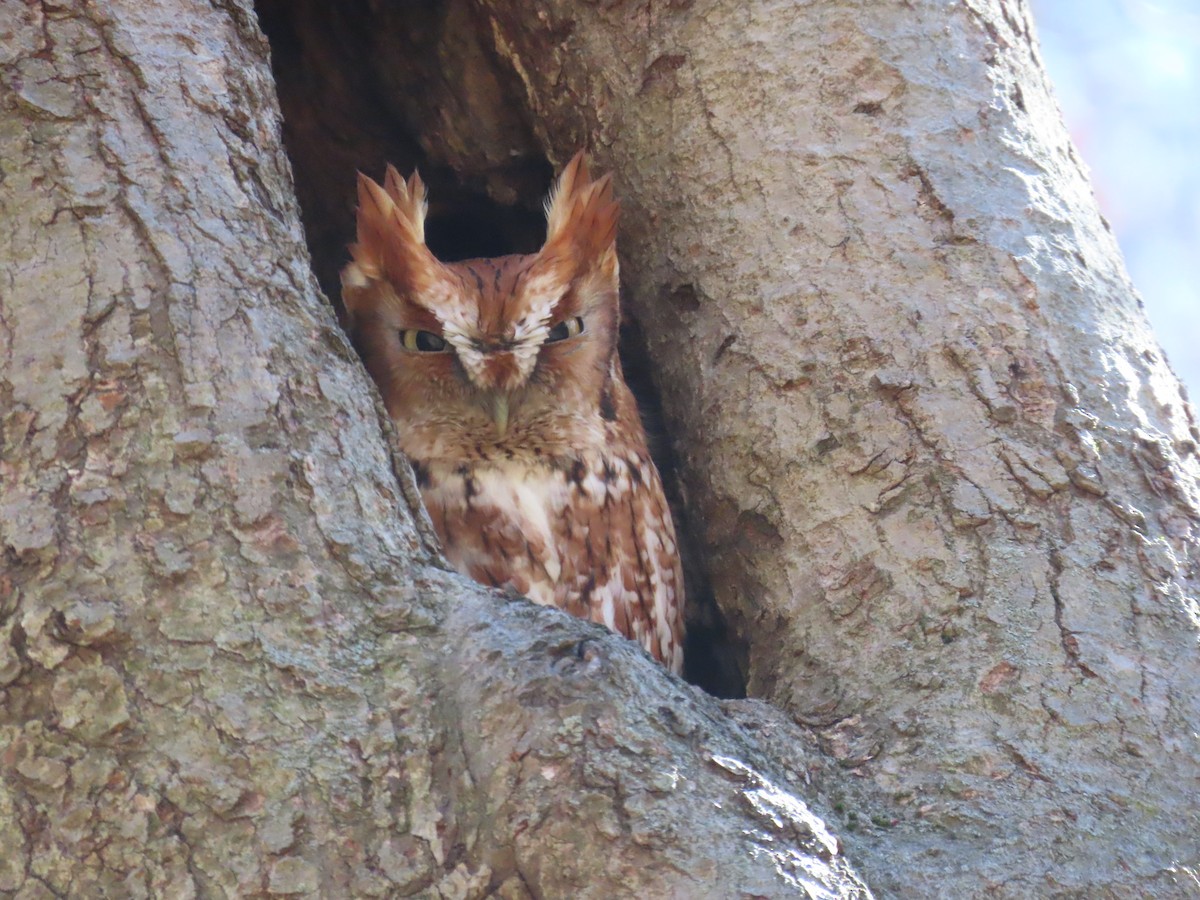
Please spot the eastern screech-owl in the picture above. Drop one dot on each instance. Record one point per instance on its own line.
(503, 377)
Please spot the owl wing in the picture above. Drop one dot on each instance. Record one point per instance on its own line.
(620, 560)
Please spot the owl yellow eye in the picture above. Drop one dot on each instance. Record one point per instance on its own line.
(422, 341)
(567, 328)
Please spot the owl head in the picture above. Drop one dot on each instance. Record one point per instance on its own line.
(508, 350)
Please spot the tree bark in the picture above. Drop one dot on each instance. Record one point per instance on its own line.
(944, 486)
(947, 485)
(231, 662)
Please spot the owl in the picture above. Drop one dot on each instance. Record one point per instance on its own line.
(503, 378)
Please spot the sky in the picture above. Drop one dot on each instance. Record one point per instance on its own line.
(1127, 77)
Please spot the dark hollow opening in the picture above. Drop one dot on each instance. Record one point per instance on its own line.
(363, 84)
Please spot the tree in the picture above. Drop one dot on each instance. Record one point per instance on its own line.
(943, 484)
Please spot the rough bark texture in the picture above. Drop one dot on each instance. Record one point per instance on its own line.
(948, 484)
(230, 664)
(946, 487)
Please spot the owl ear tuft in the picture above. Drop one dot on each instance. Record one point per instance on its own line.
(409, 197)
(391, 242)
(581, 217)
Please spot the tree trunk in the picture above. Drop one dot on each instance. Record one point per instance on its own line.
(948, 484)
(231, 662)
(943, 485)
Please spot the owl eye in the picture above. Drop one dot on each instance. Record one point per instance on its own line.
(567, 328)
(422, 341)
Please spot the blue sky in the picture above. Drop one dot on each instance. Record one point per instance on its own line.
(1127, 76)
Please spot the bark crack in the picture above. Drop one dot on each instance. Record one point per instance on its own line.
(1070, 644)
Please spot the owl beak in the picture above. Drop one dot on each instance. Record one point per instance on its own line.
(500, 414)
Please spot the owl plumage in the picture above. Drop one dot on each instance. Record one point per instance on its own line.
(503, 377)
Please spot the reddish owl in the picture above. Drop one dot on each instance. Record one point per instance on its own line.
(503, 378)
